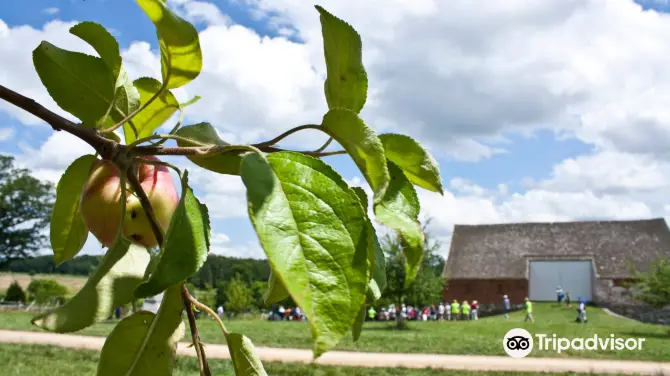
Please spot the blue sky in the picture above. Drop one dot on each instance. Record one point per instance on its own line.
(522, 131)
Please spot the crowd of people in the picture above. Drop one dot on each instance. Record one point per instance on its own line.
(442, 311)
(282, 313)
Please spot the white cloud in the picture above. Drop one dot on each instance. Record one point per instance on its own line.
(6, 134)
(51, 11)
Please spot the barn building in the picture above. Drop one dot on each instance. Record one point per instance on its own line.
(589, 259)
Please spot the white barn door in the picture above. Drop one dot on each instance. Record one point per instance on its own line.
(574, 276)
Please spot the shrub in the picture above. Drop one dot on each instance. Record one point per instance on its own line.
(15, 293)
(46, 291)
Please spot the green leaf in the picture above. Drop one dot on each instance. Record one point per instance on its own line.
(363, 146)
(191, 101)
(103, 42)
(186, 245)
(358, 324)
(68, 232)
(243, 355)
(80, 84)
(225, 163)
(126, 97)
(376, 260)
(419, 166)
(399, 210)
(155, 114)
(276, 290)
(377, 265)
(111, 285)
(313, 230)
(346, 83)
(181, 57)
(145, 344)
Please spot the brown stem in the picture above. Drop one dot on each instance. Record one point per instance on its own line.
(286, 134)
(195, 335)
(200, 150)
(102, 145)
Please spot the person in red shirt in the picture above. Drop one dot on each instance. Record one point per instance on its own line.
(475, 310)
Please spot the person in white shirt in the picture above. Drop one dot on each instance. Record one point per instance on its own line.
(582, 312)
(440, 311)
(219, 311)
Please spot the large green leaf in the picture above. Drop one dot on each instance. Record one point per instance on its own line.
(363, 146)
(103, 42)
(358, 324)
(346, 83)
(376, 264)
(276, 290)
(68, 232)
(226, 163)
(243, 355)
(145, 344)
(415, 161)
(376, 261)
(111, 285)
(155, 114)
(80, 84)
(186, 244)
(181, 57)
(127, 99)
(399, 210)
(313, 230)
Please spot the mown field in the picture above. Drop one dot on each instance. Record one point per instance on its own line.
(36, 360)
(72, 282)
(482, 337)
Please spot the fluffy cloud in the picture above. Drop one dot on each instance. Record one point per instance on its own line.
(450, 70)
(6, 134)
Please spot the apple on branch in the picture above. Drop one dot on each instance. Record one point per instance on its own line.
(101, 207)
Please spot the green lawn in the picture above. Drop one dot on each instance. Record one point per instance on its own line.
(482, 337)
(35, 360)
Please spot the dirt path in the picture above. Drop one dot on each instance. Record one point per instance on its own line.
(365, 359)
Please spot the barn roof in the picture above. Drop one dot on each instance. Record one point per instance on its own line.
(503, 250)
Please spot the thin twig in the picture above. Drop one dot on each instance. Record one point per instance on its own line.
(211, 313)
(286, 134)
(100, 144)
(199, 348)
(137, 111)
(324, 146)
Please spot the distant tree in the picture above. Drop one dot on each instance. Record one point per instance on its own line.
(653, 287)
(259, 288)
(25, 210)
(238, 295)
(46, 291)
(15, 293)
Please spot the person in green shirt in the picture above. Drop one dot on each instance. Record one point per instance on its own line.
(465, 310)
(372, 313)
(455, 308)
(529, 311)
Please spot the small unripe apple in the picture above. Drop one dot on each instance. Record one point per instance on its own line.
(100, 203)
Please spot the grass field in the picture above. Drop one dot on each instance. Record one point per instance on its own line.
(482, 337)
(72, 282)
(35, 360)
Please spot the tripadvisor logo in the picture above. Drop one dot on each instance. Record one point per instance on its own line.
(518, 343)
